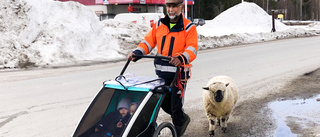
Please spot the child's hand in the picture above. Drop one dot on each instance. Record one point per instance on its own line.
(96, 130)
(119, 125)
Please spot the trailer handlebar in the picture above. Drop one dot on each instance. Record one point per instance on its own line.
(142, 56)
(149, 56)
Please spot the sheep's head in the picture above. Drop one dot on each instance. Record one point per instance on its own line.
(218, 89)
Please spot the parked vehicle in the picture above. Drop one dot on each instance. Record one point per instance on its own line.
(199, 21)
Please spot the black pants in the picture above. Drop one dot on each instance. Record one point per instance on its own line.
(172, 104)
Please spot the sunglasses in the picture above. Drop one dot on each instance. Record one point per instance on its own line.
(173, 5)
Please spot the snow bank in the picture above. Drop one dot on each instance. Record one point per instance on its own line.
(147, 19)
(210, 42)
(242, 18)
(246, 23)
(46, 32)
(315, 25)
(49, 33)
(128, 34)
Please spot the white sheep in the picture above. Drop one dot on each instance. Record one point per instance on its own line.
(219, 97)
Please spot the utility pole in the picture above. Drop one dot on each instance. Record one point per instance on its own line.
(319, 10)
(268, 6)
(300, 9)
(273, 25)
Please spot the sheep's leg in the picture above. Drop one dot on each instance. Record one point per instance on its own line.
(224, 121)
(212, 123)
(212, 133)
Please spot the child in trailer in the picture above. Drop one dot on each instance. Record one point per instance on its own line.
(113, 123)
(133, 107)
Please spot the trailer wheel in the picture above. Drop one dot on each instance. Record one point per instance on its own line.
(165, 129)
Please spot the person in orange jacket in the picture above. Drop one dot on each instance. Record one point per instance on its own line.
(176, 37)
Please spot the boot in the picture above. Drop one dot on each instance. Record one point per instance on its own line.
(182, 129)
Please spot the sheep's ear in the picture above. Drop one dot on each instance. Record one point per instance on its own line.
(227, 84)
(205, 88)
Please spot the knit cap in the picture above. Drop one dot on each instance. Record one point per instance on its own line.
(124, 103)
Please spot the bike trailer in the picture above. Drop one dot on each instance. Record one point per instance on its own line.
(145, 91)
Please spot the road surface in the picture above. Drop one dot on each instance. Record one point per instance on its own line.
(50, 102)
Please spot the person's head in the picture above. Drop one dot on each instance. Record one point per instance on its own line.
(123, 111)
(123, 106)
(174, 8)
(133, 107)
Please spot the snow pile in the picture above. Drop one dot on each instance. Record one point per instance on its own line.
(246, 23)
(146, 19)
(129, 34)
(46, 32)
(49, 33)
(242, 18)
(315, 25)
(246, 38)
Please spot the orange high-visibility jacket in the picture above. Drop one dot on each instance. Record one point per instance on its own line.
(182, 40)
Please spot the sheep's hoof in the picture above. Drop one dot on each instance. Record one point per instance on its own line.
(212, 133)
(224, 129)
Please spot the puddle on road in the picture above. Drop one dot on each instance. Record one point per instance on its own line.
(302, 112)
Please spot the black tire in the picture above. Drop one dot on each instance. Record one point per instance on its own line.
(167, 129)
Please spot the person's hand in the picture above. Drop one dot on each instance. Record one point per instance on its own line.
(119, 125)
(175, 61)
(130, 57)
(96, 130)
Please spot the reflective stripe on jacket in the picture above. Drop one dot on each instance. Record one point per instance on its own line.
(179, 40)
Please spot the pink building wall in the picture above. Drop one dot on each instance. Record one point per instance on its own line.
(99, 2)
